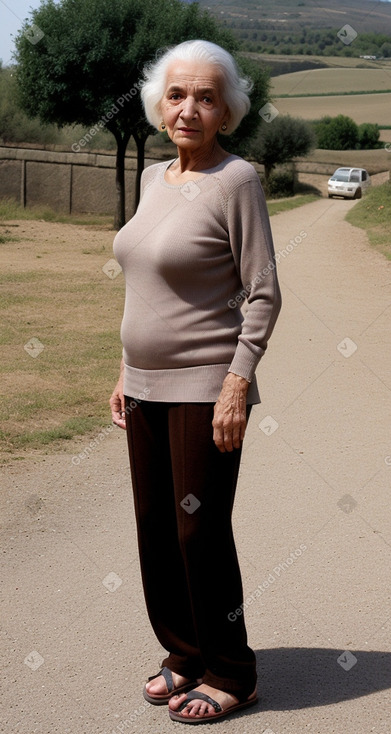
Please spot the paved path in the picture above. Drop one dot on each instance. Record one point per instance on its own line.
(312, 524)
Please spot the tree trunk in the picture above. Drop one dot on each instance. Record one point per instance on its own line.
(122, 141)
(268, 170)
(140, 142)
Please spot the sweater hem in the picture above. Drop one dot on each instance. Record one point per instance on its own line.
(199, 384)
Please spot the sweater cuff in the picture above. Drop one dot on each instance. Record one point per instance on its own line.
(245, 361)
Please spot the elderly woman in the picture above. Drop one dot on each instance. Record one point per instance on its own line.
(199, 241)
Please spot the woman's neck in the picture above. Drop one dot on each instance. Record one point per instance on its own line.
(199, 160)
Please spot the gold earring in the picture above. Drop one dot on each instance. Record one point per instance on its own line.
(162, 126)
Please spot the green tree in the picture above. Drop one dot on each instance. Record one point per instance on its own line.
(281, 140)
(368, 135)
(336, 133)
(86, 67)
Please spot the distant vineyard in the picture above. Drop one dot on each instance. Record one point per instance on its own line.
(307, 27)
(264, 37)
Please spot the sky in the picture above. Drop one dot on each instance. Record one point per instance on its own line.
(12, 15)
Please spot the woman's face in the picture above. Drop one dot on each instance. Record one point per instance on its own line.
(192, 106)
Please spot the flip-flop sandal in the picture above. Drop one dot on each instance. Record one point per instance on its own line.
(220, 713)
(160, 698)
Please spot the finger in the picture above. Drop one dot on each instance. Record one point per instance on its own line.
(228, 436)
(236, 435)
(239, 431)
(218, 438)
(118, 418)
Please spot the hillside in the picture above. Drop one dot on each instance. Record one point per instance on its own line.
(306, 26)
(365, 16)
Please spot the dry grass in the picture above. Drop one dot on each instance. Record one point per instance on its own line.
(54, 290)
(373, 213)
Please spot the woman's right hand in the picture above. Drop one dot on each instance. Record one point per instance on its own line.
(117, 402)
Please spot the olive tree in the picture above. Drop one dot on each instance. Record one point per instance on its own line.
(281, 140)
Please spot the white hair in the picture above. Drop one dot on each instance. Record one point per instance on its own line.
(234, 92)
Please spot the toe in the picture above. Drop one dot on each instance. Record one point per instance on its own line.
(175, 701)
(156, 686)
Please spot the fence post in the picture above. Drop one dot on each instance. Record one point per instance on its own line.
(23, 187)
(70, 188)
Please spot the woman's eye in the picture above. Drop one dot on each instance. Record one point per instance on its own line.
(207, 100)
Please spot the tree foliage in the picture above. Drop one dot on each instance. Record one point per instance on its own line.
(342, 133)
(86, 69)
(337, 133)
(368, 136)
(281, 140)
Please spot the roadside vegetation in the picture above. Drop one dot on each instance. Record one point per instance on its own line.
(373, 213)
(10, 209)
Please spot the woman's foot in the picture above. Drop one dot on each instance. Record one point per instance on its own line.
(161, 687)
(158, 686)
(197, 708)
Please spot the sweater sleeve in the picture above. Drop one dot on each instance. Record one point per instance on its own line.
(253, 252)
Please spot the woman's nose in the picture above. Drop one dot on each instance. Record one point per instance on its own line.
(189, 108)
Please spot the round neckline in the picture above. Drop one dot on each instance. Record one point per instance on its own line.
(195, 180)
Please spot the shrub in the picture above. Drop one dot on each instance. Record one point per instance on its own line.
(280, 184)
(337, 133)
(368, 135)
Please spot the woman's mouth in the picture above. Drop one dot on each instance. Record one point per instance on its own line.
(188, 130)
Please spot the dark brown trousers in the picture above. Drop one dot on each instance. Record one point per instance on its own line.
(184, 491)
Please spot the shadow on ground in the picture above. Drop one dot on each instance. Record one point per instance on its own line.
(299, 678)
(296, 678)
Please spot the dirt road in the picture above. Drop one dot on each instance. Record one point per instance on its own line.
(312, 525)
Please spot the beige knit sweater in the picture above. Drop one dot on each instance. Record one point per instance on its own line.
(189, 255)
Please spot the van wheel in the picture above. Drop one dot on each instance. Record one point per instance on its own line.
(358, 194)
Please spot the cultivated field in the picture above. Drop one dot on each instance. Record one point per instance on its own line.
(360, 107)
(333, 81)
(329, 62)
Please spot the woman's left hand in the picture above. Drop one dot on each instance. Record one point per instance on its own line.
(229, 422)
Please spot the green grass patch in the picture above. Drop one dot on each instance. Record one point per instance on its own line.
(10, 209)
(285, 205)
(4, 239)
(36, 439)
(373, 213)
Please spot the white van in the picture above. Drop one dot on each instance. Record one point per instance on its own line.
(348, 182)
